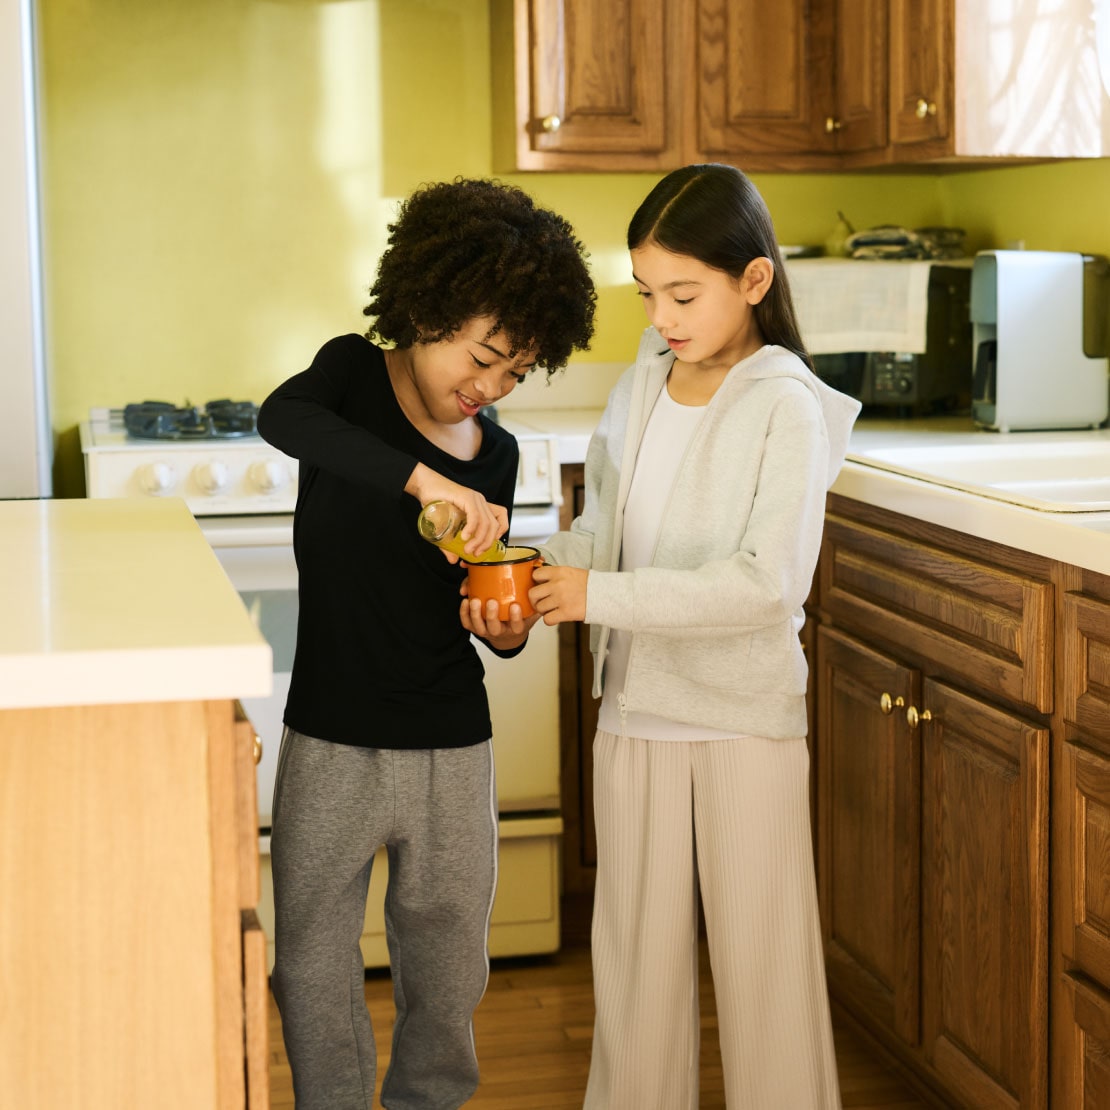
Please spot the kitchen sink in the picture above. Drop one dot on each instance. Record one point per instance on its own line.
(1061, 476)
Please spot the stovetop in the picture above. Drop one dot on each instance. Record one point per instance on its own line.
(211, 456)
(223, 419)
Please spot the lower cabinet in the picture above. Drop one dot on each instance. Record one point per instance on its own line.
(933, 748)
(933, 857)
(869, 832)
(129, 952)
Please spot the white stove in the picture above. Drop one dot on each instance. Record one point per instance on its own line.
(216, 476)
(236, 476)
(242, 492)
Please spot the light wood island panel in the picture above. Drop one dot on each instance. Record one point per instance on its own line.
(128, 824)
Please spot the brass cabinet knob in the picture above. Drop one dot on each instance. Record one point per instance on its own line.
(551, 124)
(913, 716)
(924, 108)
(257, 748)
(831, 124)
(887, 703)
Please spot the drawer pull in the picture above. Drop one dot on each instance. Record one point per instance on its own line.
(257, 748)
(913, 716)
(887, 703)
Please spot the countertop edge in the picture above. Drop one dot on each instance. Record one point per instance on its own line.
(1078, 539)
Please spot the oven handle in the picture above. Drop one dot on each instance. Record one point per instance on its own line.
(533, 523)
(264, 530)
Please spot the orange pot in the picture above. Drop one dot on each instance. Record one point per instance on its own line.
(506, 580)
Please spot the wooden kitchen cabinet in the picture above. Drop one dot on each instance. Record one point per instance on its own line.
(587, 84)
(869, 831)
(131, 970)
(578, 711)
(651, 85)
(919, 59)
(763, 80)
(935, 689)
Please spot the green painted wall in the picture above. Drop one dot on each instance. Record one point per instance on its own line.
(219, 174)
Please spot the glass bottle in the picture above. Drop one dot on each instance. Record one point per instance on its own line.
(441, 523)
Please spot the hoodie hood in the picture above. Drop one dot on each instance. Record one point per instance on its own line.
(838, 409)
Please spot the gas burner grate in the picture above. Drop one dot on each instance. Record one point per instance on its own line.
(218, 420)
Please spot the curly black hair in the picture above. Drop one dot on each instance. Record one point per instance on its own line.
(475, 247)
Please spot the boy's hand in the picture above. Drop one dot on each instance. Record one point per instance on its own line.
(559, 593)
(484, 622)
(485, 522)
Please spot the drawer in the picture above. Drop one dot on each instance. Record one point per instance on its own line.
(974, 621)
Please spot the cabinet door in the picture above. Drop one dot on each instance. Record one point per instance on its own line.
(1090, 1016)
(869, 785)
(592, 83)
(984, 975)
(860, 112)
(578, 710)
(921, 74)
(808, 638)
(764, 78)
(1085, 831)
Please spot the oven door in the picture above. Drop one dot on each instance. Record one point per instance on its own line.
(524, 698)
(256, 553)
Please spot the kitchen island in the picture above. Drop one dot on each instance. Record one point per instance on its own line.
(132, 970)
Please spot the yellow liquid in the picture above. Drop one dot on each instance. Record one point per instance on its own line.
(492, 554)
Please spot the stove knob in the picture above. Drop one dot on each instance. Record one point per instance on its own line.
(212, 477)
(157, 478)
(269, 475)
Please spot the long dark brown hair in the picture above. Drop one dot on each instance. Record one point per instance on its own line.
(712, 212)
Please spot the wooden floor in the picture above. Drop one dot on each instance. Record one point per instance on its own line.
(533, 1033)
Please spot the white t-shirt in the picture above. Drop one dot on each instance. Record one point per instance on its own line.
(670, 428)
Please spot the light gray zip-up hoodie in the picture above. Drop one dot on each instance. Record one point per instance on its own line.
(717, 614)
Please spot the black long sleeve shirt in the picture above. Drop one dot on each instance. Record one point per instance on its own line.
(382, 660)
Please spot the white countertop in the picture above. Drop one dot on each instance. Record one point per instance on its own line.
(118, 601)
(1082, 539)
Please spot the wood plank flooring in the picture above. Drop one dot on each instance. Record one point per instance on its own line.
(533, 1031)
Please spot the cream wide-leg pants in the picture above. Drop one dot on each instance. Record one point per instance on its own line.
(745, 802)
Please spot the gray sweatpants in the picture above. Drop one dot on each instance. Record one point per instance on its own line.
(435, 810)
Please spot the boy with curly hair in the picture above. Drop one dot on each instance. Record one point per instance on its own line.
(387, 726)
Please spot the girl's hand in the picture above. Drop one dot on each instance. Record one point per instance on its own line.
(559, 593)
(484, 622)
(485, 522)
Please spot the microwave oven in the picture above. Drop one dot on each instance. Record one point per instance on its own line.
(904, 383)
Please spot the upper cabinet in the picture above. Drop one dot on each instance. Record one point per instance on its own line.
(650, 85)
(762, 81)
(587, 84)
